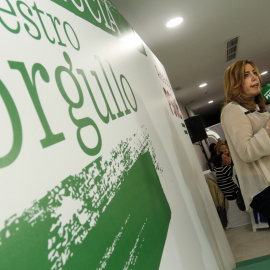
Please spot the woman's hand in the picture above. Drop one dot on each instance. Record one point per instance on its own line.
(267, 127)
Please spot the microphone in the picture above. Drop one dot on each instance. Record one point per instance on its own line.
(266, 92)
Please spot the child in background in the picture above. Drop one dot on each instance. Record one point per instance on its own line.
(224, 173)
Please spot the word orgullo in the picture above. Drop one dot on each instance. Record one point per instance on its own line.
(30, 77)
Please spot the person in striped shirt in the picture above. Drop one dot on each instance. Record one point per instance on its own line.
(224, 174)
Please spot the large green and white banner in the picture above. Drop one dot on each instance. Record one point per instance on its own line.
(90, 177)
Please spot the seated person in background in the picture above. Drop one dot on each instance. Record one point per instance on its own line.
(224, 173)
(212, 154)
(212, 148)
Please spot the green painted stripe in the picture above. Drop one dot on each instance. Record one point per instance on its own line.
(260, 263)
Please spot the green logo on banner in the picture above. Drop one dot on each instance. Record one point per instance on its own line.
(104, 15)
(111, 215)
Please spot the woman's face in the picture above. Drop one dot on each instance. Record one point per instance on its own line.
(251, 85)
(224, 149)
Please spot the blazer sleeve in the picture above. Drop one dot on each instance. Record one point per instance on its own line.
(250, 147)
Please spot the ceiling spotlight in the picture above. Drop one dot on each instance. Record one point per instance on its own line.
(174, 22)
(265, 72)
(211, 101)
(203, 85)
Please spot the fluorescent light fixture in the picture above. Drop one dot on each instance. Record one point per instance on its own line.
(212, 134)
(203, 85)
(265, 72)
(174, 22)
(211, 101)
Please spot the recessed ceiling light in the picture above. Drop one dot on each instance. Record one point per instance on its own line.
(174, 22)
(211, 101)
(265, 72)
(203, 85)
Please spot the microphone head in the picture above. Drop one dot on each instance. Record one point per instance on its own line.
(266, 92)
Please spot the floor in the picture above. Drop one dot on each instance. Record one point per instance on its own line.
(246, 244)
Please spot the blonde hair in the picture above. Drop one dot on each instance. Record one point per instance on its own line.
(218, 145)
(233, 81)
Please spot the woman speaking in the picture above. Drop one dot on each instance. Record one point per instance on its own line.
(246, 125)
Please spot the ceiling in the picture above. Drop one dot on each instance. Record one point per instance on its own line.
(195, 51)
